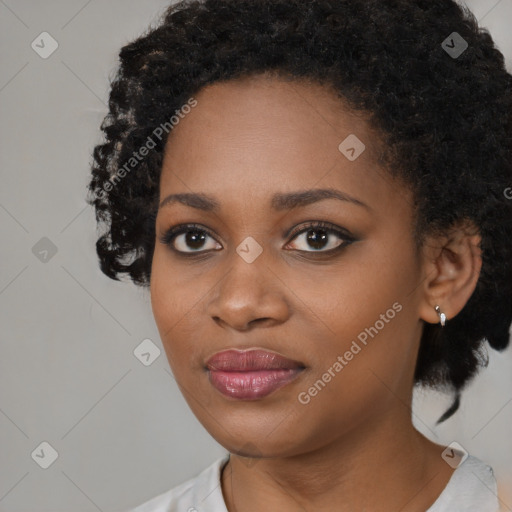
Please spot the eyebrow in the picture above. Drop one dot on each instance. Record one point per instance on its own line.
(280, 201)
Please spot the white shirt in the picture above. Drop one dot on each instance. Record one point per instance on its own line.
(471, 488)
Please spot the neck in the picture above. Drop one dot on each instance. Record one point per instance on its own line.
(381, 466)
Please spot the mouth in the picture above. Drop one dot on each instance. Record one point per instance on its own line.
(250, 374)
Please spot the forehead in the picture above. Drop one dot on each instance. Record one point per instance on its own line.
(249, 138)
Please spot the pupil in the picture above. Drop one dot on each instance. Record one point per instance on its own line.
(194, 240)
(317, 241)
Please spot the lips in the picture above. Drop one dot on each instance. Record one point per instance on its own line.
(251, 374)
(247, 360)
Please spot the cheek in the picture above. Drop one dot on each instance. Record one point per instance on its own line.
(366, 313)
(363, 371)
(163, 293)
(372, 277)
(168, 298)
(175, 304)
(171, 296)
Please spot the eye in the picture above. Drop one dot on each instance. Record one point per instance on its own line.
(319, 236)
(193, 237)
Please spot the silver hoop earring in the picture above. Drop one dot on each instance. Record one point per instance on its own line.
(442, 316)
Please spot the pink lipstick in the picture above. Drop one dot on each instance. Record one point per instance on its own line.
(250, 374)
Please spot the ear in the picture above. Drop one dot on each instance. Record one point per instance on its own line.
(451, 268)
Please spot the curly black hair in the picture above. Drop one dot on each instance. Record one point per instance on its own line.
(445, 119)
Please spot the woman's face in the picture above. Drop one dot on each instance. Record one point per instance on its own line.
(261, 277)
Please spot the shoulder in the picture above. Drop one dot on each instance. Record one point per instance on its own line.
(202, 492)
(472, 486)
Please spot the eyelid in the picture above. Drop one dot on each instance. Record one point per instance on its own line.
(327, 226)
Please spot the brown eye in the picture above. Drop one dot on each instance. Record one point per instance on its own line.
(181, 238)
(321, 237)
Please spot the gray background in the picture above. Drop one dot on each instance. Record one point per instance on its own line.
(68, 373)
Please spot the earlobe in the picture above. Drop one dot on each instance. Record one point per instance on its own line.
(452, 265)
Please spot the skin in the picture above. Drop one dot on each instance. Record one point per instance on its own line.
(353, 444)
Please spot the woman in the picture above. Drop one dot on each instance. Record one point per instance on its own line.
(315, 194)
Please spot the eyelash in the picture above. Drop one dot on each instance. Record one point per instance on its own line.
(168, 237)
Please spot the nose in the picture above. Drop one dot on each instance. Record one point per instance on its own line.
(249, 294)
